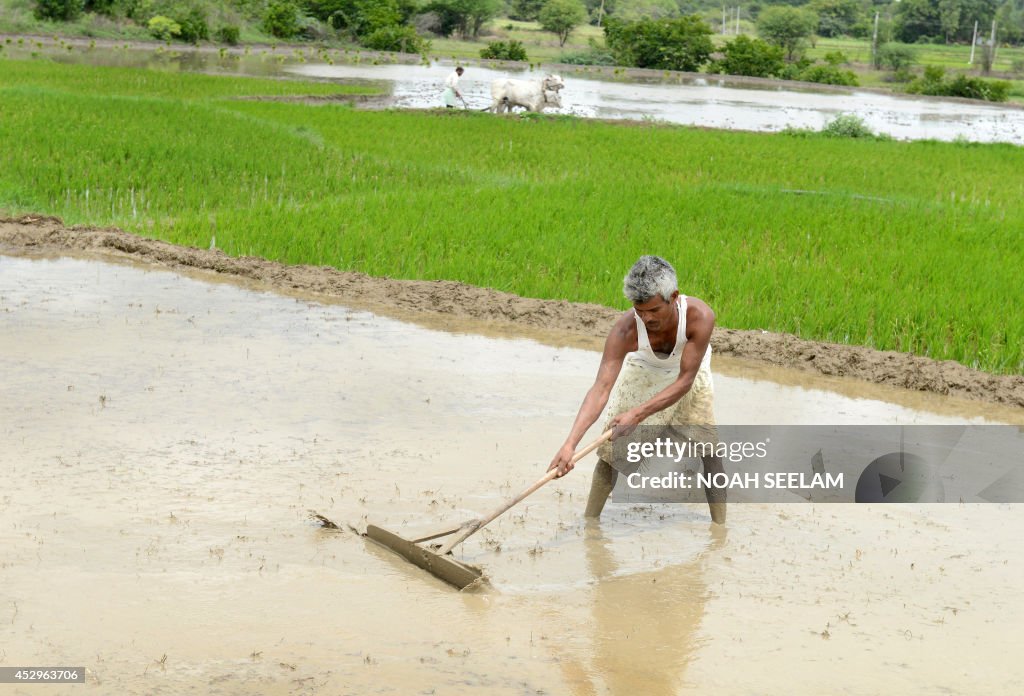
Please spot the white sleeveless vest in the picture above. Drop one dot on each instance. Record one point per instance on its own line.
(644, 356)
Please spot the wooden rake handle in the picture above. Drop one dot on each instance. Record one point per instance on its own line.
(476, 525)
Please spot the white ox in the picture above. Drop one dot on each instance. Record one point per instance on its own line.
(533, 95)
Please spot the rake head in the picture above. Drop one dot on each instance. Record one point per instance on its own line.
(445, 567)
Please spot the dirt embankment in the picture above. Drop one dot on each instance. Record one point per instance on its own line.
(44, 234)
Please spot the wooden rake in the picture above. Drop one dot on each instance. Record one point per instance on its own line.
(437, 559)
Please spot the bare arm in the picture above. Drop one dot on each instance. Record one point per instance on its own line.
(615, 348)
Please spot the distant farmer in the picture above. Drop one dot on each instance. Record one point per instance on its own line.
(662, 349)
(451, 88)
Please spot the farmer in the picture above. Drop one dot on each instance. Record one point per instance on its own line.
(662, 349)
(451, 88)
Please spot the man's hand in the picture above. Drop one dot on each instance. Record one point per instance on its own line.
(625, 423)
(563, 460)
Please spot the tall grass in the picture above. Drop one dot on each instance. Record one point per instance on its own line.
(905, 246)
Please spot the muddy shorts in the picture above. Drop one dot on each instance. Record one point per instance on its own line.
(690, 418)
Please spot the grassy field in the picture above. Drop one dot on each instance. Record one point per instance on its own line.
(952, 58)
(909, 246)
(541, 46)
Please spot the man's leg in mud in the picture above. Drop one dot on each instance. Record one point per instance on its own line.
(716, 496)
(601, 486)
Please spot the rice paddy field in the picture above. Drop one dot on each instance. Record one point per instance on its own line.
(951, 56)
(893, 245)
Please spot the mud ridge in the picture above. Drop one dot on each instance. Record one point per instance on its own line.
(47, 234)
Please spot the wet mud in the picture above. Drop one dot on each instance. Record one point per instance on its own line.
(558, 322)
(170, 417)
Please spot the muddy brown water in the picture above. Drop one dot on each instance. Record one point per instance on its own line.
(163, 437)
(707, 101)
(591, 92)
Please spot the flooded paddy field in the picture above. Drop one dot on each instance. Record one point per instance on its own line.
(709, 101)
(163, 437)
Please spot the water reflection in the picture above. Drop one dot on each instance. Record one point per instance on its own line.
(644, 625)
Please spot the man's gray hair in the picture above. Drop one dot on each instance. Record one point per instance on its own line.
(650, 276)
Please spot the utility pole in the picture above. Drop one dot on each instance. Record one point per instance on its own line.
(725, 28)
(992, 63)
(737, 20)
(974, 42)
(874, 44)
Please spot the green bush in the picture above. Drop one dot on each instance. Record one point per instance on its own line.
(828, 75)
(400, 39)
(103, 7)
(977, 88)
(934, 73)
(228, 34)
(805, 70)
(793, 71)
(281, 19)
(164, 28)
(140, 10)
(360, 18)
(504, 50)
(847, 126)
(836, 58)
(193, 26)
(751, 57)
(901, 74)
(664, 44)
(894, 56)
(59, 10)
(377, 14)
(934, 83)
(311, 29)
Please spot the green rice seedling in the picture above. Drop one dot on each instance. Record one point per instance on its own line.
(893, 245)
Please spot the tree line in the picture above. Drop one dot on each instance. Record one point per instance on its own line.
(660, 34)
(907, 21)
(393, 25)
